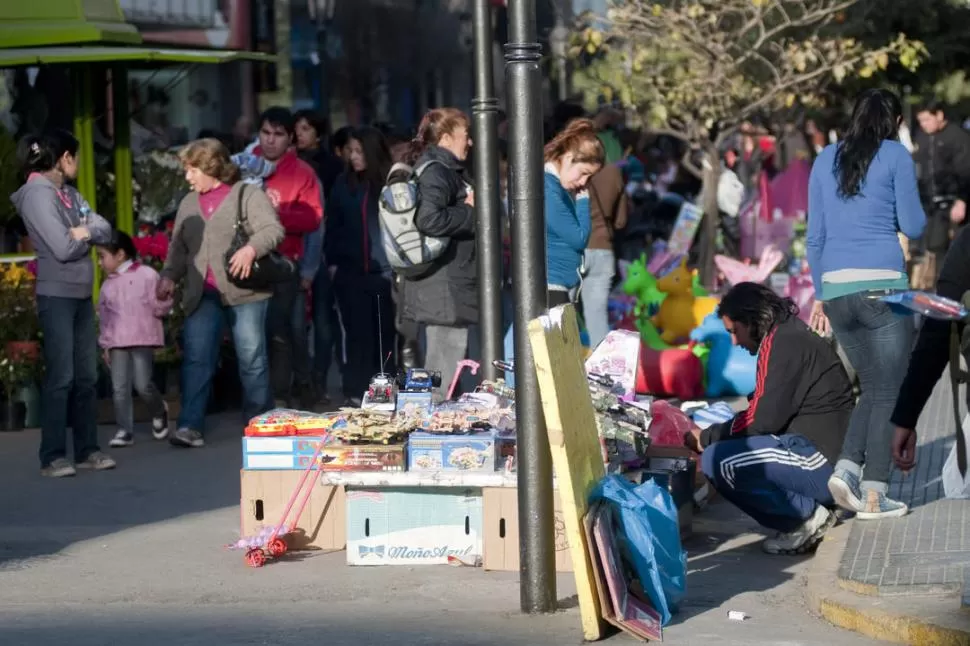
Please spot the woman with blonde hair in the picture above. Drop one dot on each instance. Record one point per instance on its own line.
(205, 229)
(572, 157)
(444, 299)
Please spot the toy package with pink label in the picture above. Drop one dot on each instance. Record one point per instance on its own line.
(617, 357)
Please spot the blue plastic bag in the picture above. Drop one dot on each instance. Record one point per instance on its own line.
(650, 538)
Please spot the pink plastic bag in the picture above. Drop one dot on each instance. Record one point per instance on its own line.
(669, 425)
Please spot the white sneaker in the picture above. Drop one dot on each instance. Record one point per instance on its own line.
(805, 538)
(121, 439)
(160, 425)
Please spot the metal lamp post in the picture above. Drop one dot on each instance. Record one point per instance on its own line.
(524, 84)
(487, 198)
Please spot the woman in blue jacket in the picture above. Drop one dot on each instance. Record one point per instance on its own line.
(862, 194)
(572, 157)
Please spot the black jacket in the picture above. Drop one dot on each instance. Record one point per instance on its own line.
(801, 388)
(448, 293)
(353, 241)
(327, 166)
(932, 351)
(943, 163)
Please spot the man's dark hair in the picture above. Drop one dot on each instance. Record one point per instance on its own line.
(341, 138)
(932, 106)
(278, 117)
(317, 121)
(757, 307)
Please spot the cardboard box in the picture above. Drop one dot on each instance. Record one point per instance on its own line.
(501, 518)
(264, 494)
(273, 453)
(475, 452)
(413, 526)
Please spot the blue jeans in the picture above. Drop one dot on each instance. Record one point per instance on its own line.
(201, 339)
(778, 480)
(71, 361)
(877, 342)
(324, 326)
(601, 267)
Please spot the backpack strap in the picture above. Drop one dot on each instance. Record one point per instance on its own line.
(423, 167)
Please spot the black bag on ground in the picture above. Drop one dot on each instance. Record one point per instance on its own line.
(266, 271)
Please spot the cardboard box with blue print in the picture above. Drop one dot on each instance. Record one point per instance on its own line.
(285, 453)
(413, 526)
(481, 452)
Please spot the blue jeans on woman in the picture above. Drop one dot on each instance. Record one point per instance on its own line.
(71, 362)
(201, 340)
(877, 342)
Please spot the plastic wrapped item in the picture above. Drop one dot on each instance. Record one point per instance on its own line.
(650, 537)
(284, 422)
(669, 426)
(464, 417)
(927, 304)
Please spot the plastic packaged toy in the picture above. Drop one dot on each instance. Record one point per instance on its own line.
(927, 304)
(281, 422)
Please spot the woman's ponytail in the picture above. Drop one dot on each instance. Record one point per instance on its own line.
(579, 137)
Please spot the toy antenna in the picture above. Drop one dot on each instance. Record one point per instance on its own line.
(380, 335)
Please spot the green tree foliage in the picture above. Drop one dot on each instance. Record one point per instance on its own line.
(698, 69)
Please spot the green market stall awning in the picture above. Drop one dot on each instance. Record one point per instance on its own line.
(79, 55)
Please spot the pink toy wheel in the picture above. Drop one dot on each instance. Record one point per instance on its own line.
(255, 558)
(277, 547)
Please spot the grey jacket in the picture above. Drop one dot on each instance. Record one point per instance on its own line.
(64, 265)
(198, 244)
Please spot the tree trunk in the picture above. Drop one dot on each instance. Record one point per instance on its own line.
(712, 217)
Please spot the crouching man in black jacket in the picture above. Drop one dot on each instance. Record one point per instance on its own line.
(774, 459)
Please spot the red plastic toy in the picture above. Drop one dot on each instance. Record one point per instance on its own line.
(276, 545)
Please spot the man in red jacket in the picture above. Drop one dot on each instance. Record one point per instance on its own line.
(295, 191)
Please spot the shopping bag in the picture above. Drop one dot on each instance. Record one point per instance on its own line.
(956, 485)
(650, 539)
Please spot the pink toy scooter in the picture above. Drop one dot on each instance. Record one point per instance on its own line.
(464, 363)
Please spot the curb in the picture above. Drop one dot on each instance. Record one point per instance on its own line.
(876, 617)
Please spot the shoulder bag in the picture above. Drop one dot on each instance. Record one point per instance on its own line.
(266, 271)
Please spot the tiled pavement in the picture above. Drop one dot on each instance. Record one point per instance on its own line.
(928, 551)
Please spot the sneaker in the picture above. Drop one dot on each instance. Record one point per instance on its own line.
(805, 538)
(877, 505)
(160, 424)
(844, 487)
(59, 468)
(122, 439)
(97, 461)
(188, 438)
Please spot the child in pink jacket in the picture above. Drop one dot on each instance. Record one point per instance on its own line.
(131, 329)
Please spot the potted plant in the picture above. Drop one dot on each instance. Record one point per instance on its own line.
(19, 325)
(18, 377)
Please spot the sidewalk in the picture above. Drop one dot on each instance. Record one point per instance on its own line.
(904, 580)
(136, 556)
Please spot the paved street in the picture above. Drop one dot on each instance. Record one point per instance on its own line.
(136, 556)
